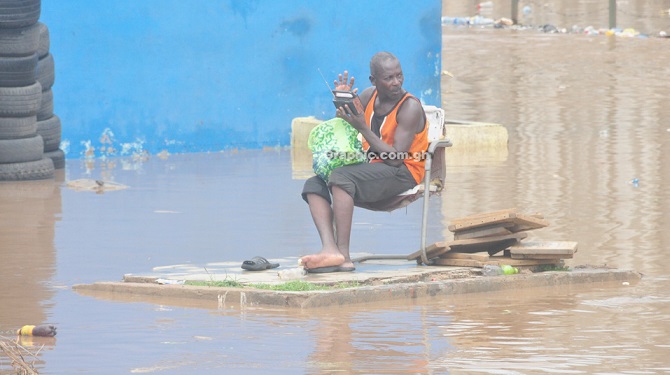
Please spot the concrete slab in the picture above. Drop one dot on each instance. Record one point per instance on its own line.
(377, 281)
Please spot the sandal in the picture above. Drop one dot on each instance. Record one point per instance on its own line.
(258, 264)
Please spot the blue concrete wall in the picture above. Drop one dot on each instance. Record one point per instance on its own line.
(209, 75)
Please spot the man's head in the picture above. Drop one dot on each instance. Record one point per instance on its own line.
(386, 74)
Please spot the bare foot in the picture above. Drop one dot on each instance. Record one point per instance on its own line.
(322, 259)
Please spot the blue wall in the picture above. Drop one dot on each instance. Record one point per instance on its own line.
(209, 75)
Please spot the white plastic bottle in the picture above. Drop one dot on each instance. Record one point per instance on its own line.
(485, 7)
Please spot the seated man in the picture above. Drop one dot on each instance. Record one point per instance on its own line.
(395, 132)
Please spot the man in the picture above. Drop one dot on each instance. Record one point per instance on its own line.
(395, 130)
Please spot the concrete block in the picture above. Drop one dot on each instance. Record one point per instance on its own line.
(475, 143)
(301, 156)
(471, 134)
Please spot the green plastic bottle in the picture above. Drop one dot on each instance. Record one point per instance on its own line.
(509, 270)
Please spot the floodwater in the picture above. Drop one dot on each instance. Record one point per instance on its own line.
(589, 147)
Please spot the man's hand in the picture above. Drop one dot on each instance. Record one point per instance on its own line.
(357, 121)
(341, 82)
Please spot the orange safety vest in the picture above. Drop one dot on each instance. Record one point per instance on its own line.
(415, 160)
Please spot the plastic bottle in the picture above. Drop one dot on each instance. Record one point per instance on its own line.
(46, 330)
(455, 20)
(485, 7)
(509, 270)
(494, 270)
(491, 270)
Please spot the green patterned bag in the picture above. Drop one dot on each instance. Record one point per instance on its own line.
(334, 143)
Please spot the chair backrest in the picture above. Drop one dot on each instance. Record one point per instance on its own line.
(436, 128)
(436, 131)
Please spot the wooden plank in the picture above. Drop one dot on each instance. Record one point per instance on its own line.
(432, 251)
(542, 256)
(544, 248)
(521, 262)
(527, 222)
(482, 257)
(481, 219)
(495, 261)
(518, 222)
(458, 262)
(490, 245)
(485, 231)
(485, 214)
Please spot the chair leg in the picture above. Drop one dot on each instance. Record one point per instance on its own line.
(424, 218)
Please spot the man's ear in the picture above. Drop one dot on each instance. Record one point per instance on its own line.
(372, 80)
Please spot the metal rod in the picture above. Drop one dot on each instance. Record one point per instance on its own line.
(424, 218)
(378, 257)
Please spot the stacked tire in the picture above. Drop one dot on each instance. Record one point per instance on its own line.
(27, 124)
(48, 124)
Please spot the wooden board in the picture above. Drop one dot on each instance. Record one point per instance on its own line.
(485, 231)
(522, 262)
(544, 248)
(542, 256)
(517, 222)
(432, 251)
(527, 222)
(494, 260)
(480, 219)
(491, 245)
(481, 257)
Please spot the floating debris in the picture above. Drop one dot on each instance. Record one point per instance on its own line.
(46, 330)
(98, 186)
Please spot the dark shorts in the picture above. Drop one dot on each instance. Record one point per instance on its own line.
(365, 182)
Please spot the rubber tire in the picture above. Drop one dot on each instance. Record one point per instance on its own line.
(20, 101)
(18, 71)
(18, 127)
(46, 109)
(33, 170)
(21, 150)
(46, 74)
(50, 130)
(58, 158)
(23, 41)
(44, 40)
(19, 13)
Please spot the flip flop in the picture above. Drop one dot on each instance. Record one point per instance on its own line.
(330, 269)
(258, 264)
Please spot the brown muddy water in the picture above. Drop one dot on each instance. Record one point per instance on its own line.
(589, 148)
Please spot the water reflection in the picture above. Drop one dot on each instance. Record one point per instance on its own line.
(29, 212)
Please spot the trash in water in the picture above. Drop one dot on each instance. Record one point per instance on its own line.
(98, 186)
(42, 331)
(635, 182)
(292, 273)
(476, 20)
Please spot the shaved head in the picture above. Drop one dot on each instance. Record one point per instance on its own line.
(378, 59)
